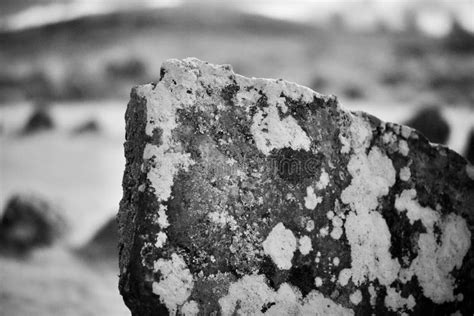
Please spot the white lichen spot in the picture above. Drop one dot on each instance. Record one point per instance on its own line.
(361, 133)
(372, 176)
(318, 282)
(346, 144)
(337, 221)
(356, 297)
(163, 218)
(324, 231)
(323, 180)
(395, 302)
(389, 138)
(369, 237)
(165, 164)
(160, 239)
(335, 261)
(175, 284)
(336, 233)
(406, 201)
(311, 200)
(222, 219)
(318, 257)
(190, 308)
(330, 214)
(434, 262)
(405, 131)
(251, 294)
(161, 107)
(404, 174)
(280, 245)
(305, 245)
(344, 276)
(403, 147)
(366, 230)
(373, 295)
(310, 225)
(316, 304)
(271, 132)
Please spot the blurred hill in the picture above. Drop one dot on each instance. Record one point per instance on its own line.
(102, 56)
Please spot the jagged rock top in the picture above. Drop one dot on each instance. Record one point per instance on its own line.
(258, 196)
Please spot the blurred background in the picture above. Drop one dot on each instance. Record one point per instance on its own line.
(67, 67)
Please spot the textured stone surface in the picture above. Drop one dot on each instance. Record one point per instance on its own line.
(255, 196)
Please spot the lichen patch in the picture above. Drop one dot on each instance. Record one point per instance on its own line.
(271, 132)
(190, 308)
(356, 297)
(406, 202)
(251, 295)
(372, 176)
(160, 239)
(404, 173)
(434, 262)
(280, 245)
(369, 237)
(304, 245)
(395, 302)
(175, 283)
(311, 200)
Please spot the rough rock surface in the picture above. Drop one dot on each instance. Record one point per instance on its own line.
(254, 196)
(29, 222)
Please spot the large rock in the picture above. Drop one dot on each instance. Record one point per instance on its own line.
(256, 196)
(29, 222)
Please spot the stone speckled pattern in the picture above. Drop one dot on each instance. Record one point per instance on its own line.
(247, 196)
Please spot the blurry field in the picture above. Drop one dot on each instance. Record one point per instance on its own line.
(84, 70)
(54, 282)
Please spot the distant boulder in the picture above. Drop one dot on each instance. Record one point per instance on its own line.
(353, 92)
(459, 40)
(103, 245)
(90, 126)
(39, 120)
(431, 123)
(29, 222)
(319, 83)
(126, 69)
(470, 147)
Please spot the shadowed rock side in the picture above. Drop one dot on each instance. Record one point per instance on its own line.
(253, 196)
